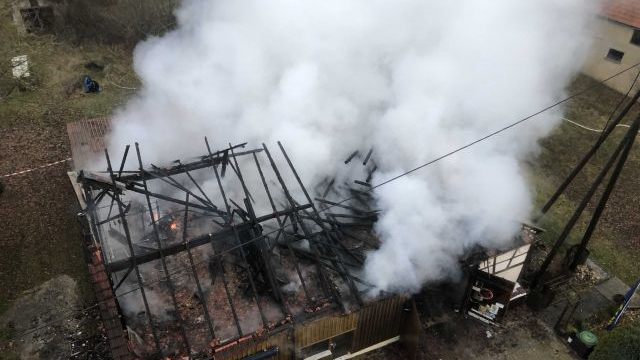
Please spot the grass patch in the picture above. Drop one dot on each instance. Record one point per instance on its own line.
(57, 68)
(40, 236)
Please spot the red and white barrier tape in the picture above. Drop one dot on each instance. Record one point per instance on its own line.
(36, 168)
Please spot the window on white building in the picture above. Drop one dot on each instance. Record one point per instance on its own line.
(635, 39)
(615, 55)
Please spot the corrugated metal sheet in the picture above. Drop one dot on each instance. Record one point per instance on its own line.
(378, 322)
(324, 329)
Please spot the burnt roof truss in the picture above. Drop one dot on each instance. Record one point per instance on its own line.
(191, 239)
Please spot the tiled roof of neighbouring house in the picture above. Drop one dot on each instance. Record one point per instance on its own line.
(623, 11)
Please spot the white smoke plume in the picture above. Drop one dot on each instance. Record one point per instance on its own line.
(413, 79)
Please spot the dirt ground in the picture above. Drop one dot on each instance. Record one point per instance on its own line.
(33, 331)
(40, 237)
(523, 336)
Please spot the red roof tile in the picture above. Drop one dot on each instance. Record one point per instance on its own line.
(623, 11)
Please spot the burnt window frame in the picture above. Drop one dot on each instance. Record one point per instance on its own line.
(612, 55)
(635, 38)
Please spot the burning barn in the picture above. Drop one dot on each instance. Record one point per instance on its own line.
(229, 256)
(190, 261)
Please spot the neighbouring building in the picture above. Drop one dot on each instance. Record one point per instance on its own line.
(617, 45)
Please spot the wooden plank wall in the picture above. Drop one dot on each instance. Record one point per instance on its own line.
(324, 328)
(378, 322)
(375, 323)
(410, 332)
(283, 340)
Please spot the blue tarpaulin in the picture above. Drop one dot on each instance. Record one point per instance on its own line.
(90, 86)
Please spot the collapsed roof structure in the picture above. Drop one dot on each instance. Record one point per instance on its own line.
(228, 256)
(181, 271)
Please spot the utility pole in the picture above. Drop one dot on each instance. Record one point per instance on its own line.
(618, 158)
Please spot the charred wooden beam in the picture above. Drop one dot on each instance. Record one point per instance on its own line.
(264, 252)
(100, 196)
(229, 299)
(134, 263)
(368, 194)
(352, 216)
(161, 175)
(360, 224)
(353, 154)
(224, 234)
(265, 255)
(362, 183)
(338, 204)
(333, 268)
(352, 287)
(280, 225)
(176, 201)
(329, 187)
(339, 245)
(359, 257)
(370, 174)
(362, 200)
(337, 259)
(204, 162)
(95, 181)
(331, 221)
(322, 276)
(366, 159)
(240, 210)
(156, 231)
(124, 160)
(124, 277)
(203, 300)
(195, 183)
(233, 231)
(225, 162)
(255, 234)
(114, 217)
(369, 243)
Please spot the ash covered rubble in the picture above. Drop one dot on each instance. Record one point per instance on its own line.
(199, 268)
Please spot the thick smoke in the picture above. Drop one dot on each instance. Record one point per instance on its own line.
(413, 79)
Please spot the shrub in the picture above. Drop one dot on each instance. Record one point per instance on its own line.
(622, 343)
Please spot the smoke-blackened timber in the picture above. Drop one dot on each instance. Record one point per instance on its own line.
(208, 263)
